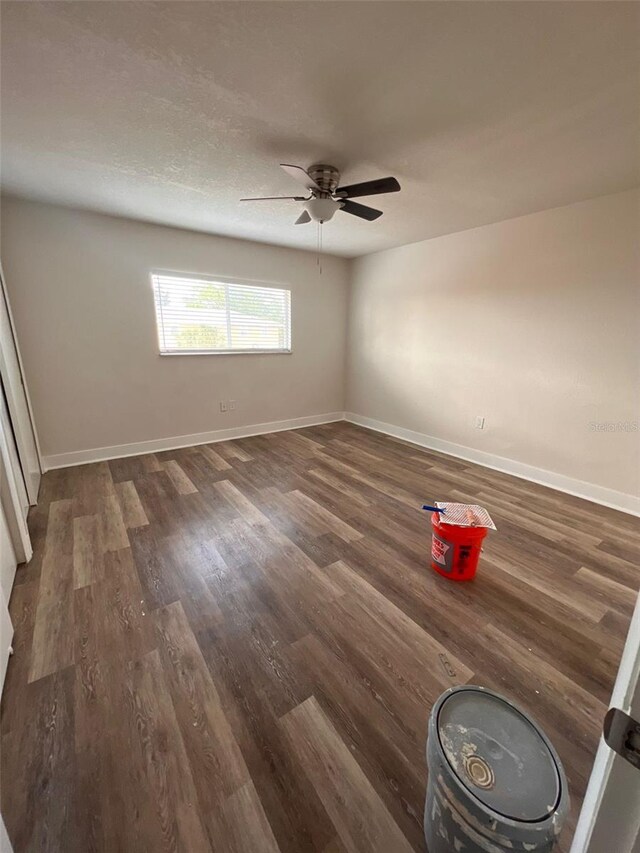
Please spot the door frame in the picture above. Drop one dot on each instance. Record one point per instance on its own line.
(610, 813)
(11, 504)
(22, 442)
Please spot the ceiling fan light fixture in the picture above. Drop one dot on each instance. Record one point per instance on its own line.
(322, 209)
(322, 182)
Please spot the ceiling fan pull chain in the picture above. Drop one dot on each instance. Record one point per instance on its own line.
(319, 249)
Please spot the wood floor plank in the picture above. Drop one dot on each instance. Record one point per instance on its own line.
(39, 770)
(130, 467)
(330, 522)
(157, 750)
(88, 550)
(289, 562)
(242, 504)
(296, 442)
(608, 591)
(52, 646)
(374, 482)
(218, 461)
(113, 532)
(340, 485)
(199, 470)
(386, 741)
(117, 807)
(248, 828)
(216, 762)
(88, 485)
(161, 503)
(236, 647)
(569, 701)
(151, 554)
(394, 623)
(112, 622)
(133, 513)
(182, 483)
(537, 522)
(150, 462)
(296, 815)
(202, 565)
(233, 450)
(563, 590)
(261, 638)
(97, 826)
(357, 812)
(335, 846)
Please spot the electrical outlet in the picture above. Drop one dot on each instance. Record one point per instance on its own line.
(223, 405)
(479, 422)
(232, 405)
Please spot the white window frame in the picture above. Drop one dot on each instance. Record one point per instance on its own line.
(224, 280)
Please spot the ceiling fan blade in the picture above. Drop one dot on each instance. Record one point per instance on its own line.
(303, 218)
(300, 175)
(277, 198)
(361, 210)
(381, 185)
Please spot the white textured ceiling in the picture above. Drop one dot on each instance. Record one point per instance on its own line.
(171, 111)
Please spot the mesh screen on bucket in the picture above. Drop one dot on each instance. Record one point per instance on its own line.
(464, 515)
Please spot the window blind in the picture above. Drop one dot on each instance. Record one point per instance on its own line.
(205, 315)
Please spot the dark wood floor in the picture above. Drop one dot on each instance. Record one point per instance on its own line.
(235, 647)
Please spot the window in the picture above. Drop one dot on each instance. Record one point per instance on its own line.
(206, 315)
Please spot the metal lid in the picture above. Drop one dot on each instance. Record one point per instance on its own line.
(499, 755)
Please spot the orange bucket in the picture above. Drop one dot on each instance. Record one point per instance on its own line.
(455, 551)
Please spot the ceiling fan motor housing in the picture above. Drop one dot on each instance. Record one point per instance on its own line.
(327, 177)
(322, 206)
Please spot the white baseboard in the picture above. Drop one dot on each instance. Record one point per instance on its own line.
(99, 454)
(579, 488)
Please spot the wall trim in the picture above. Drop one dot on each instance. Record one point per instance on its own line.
(99, 454)
(581, 489)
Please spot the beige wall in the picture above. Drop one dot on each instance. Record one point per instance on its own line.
(83, 305)
(532, 323)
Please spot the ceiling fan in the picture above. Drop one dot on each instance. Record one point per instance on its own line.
(326, 196)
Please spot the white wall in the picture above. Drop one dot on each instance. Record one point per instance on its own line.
(83, 306)
(533, 323)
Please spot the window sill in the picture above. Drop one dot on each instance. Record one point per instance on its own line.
(228, 352)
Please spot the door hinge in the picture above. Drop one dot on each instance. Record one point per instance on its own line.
(622, 733)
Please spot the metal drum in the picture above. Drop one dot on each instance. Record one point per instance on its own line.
(496, 783)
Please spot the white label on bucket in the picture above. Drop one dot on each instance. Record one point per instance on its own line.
(440, 552)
